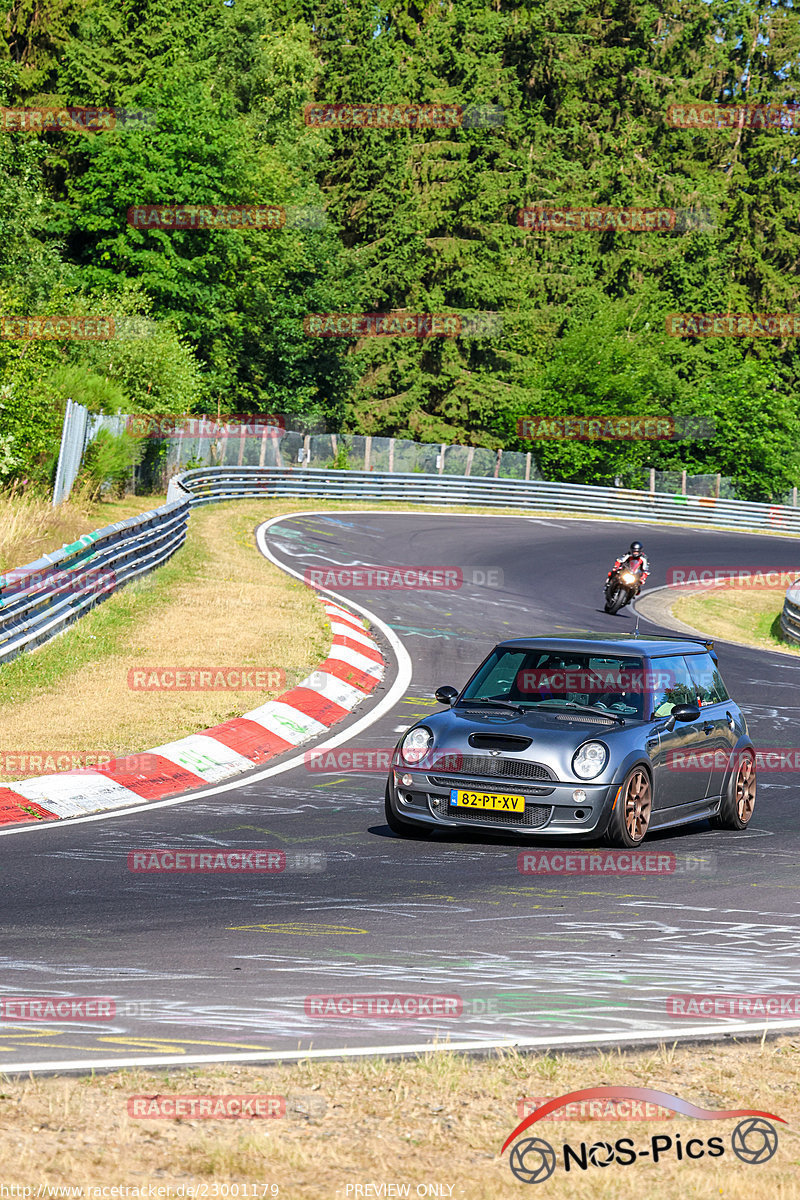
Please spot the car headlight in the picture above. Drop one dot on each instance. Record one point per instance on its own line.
(589, 760)
(416, 744)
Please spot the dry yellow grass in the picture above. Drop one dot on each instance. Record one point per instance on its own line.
(31, 527)
(218, 603)
(735, 614)
(441, 1119)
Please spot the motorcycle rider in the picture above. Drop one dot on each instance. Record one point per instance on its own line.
(634, 560)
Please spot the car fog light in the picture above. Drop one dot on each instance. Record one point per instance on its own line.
(579, 796)
(407, 780)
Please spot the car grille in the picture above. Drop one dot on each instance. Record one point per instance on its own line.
(488, 767)
(480, 785)
(534, 815)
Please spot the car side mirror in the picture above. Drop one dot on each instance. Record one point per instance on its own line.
(682, 712)
(446, 695)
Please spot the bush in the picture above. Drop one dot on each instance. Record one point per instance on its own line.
(108, 462)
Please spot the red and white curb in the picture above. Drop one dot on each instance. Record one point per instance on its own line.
(348, 675)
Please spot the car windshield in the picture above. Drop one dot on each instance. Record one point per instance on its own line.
(552, 679)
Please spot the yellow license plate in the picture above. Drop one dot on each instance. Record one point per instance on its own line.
(487, 800)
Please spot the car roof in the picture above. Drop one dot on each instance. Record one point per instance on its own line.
(640, 647)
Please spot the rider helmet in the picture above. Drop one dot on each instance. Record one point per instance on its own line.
(635, 548)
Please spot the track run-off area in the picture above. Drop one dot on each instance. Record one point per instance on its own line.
(222, 966)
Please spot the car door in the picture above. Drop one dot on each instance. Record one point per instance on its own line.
(717, 713)
(682, 769)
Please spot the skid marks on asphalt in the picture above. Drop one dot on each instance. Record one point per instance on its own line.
(300, 929)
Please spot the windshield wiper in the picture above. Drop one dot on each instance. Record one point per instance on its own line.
(589, 708)
(490, 700)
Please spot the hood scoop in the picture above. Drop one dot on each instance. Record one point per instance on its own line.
(499, 741)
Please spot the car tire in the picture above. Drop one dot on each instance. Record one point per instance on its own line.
(397, 825)
(630, 816)
(739, 800)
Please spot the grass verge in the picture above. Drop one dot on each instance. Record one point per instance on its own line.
(216, 603)
(31, 527)
(736, 614)
(439, 1119)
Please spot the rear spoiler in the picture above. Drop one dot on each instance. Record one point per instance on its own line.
(671, 637)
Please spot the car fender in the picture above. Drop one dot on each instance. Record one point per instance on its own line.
(744, 743)
(634, 758)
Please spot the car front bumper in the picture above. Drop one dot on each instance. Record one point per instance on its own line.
(550, 809)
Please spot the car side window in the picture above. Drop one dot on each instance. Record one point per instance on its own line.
(672, 684)
(708, 681)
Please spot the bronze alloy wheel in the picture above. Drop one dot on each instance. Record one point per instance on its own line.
(636, 804)
(630, 814)
(739, 800)
(745, 788)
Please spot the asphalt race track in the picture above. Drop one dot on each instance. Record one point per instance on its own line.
(218, 966)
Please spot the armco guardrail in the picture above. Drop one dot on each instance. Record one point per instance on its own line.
(790, 617)
(41, 599)
(208, 484)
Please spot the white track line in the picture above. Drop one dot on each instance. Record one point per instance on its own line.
(576, 1041)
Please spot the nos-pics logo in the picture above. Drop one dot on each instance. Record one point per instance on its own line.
(533, 1160)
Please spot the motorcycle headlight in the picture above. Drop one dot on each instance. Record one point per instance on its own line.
(589, 760)
(628, 577)
(416, 744)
